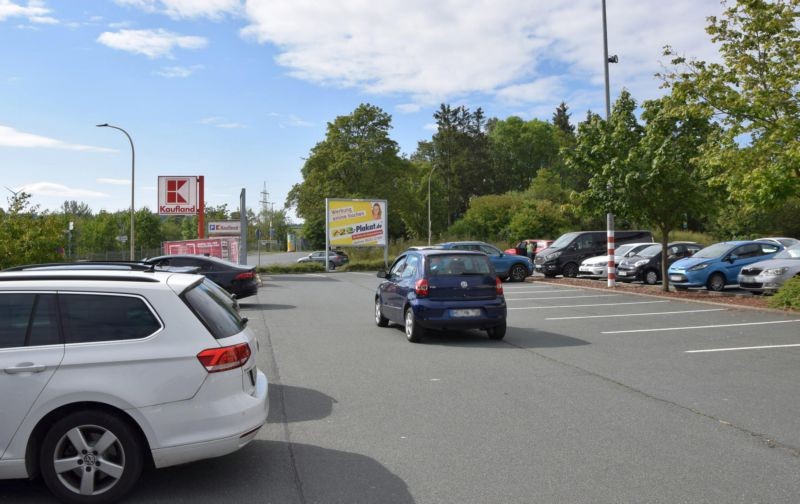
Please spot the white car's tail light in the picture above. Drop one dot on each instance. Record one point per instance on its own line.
(224, 358)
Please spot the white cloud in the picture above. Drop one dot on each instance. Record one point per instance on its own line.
(434, 51)
(431, 127)
(177, 9)
(291, 120)
(34, 11)
(9, 137)
(151, 43)
(230, 125)
(546, 89)
(221, 122)
(173, 72)
(409, 108)
(114, 181)
(62, 191)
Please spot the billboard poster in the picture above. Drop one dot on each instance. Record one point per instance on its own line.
(356, 223)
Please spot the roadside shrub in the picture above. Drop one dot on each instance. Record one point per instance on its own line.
(307, 267)
(366, 265)
(788, 296)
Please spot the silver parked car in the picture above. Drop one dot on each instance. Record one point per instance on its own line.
(767, 276)
(781, 240)
(105, 371)
(598, 266)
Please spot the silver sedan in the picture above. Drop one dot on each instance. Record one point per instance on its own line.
(768, 276)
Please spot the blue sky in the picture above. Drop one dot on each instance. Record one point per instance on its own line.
(240, 90)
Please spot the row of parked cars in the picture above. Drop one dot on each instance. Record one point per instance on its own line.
(690, 264)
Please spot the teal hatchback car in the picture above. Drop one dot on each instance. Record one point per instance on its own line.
(508, 266)
(718, 265)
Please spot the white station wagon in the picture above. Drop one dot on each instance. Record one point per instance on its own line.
(103, 370)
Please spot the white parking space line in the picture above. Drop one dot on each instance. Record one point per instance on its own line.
(563, 297)
(538, 291)
(701, 327)
(360, 273)
(636, 314)
(317, 275)
(763, 347)
(585, 305)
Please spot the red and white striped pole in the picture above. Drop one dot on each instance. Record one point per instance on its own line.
(612, 269)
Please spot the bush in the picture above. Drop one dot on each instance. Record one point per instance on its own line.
(306, 267)
(788, 296)
(366, 265)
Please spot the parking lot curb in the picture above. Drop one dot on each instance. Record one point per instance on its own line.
(630, 291)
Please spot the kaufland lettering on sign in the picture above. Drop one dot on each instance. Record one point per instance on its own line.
(177, 195)
(229, 228)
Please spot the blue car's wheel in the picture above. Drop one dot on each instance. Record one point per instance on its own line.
(716, 282)
(497, 333)
(518, 273)
(380, 320)
(413, 331)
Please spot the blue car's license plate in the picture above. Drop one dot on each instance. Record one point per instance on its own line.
(471, 312)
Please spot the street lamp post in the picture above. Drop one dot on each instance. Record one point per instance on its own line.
(606, 61)
(429, 204)
(133, 171)
(612, 273)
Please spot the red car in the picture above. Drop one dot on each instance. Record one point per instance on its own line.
(521, 247)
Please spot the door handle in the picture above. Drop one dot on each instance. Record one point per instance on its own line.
(26, 367)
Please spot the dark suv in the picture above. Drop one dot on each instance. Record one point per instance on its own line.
(645, 266)
(564, 256)
(441, 289)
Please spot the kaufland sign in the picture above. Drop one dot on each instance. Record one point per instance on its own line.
(177, 195)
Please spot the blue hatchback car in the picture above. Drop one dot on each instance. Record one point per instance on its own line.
(718, 265)
(508, 266)
(441, 289)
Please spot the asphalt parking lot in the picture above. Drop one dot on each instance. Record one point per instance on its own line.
(591, 397)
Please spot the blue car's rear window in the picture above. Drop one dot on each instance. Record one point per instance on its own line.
(458, 264)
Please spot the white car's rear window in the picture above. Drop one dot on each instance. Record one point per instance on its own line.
(215, 312)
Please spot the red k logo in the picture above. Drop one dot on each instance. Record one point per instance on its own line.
(177, 191)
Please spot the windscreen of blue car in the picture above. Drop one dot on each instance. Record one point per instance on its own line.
(713, 251)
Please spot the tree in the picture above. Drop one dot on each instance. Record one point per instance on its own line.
(650, 174)
(601, 147)
(459, 150)
(519, 149)
(29, 236)
(561, 120)
(357, 159)
(753, 93)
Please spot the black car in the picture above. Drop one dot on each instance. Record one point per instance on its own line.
(241, 281)
(645, 266)
(441, 289)
(565, 255)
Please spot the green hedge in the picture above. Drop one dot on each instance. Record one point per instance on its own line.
(366, 265)
(788, 296)
(315, 267)
(306, 267)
